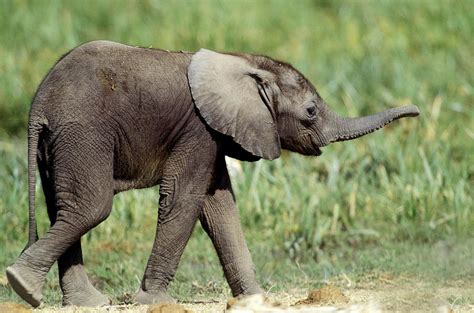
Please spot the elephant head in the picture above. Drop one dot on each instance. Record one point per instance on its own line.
(266, 105)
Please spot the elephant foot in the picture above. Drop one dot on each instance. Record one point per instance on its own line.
(254, 290)
(86, 296)
(26, 283)
(151, 297)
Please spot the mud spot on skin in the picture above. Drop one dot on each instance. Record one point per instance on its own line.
(325, 296)
(167, 308)
(14, 308)
(107, 77)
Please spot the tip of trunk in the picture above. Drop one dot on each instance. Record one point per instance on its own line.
(351, 128)
(410, 110)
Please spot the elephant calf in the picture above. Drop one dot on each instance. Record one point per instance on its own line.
(110, 117)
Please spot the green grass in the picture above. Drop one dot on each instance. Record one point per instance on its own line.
(399, 200)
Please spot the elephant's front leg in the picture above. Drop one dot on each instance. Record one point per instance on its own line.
(172, 235)
(221, 221)
(182, 194)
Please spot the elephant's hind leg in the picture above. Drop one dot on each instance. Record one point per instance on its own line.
(75, 285)
(82, 175)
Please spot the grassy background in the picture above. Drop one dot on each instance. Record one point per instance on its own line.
(398, 201)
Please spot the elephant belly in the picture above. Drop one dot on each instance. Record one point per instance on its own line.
(137, 170)
(124, 185)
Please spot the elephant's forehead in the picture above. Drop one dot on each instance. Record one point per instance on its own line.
(294, 83)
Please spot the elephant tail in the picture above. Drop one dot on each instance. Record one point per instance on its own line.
(35, 127)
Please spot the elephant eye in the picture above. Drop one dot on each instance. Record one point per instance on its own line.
(311, 110)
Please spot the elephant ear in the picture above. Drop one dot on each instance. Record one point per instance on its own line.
(232, 97)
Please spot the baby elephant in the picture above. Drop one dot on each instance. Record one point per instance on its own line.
(110, 117)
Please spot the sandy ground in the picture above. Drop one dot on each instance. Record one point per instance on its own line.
(386, 296)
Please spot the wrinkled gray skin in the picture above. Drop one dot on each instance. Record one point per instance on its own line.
(109, 118)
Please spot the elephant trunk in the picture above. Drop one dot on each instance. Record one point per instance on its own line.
(343, 128)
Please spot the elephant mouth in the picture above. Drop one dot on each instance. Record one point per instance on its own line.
(317, 151)
(316, 147)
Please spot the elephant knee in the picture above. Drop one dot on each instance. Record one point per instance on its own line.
(172, 207)
(100, 210)
(84, 212)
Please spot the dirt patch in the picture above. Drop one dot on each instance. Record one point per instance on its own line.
(167, 308)
(255, 303)
(328, 295)
(14, 308)
(389, 294)
(262, 304)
